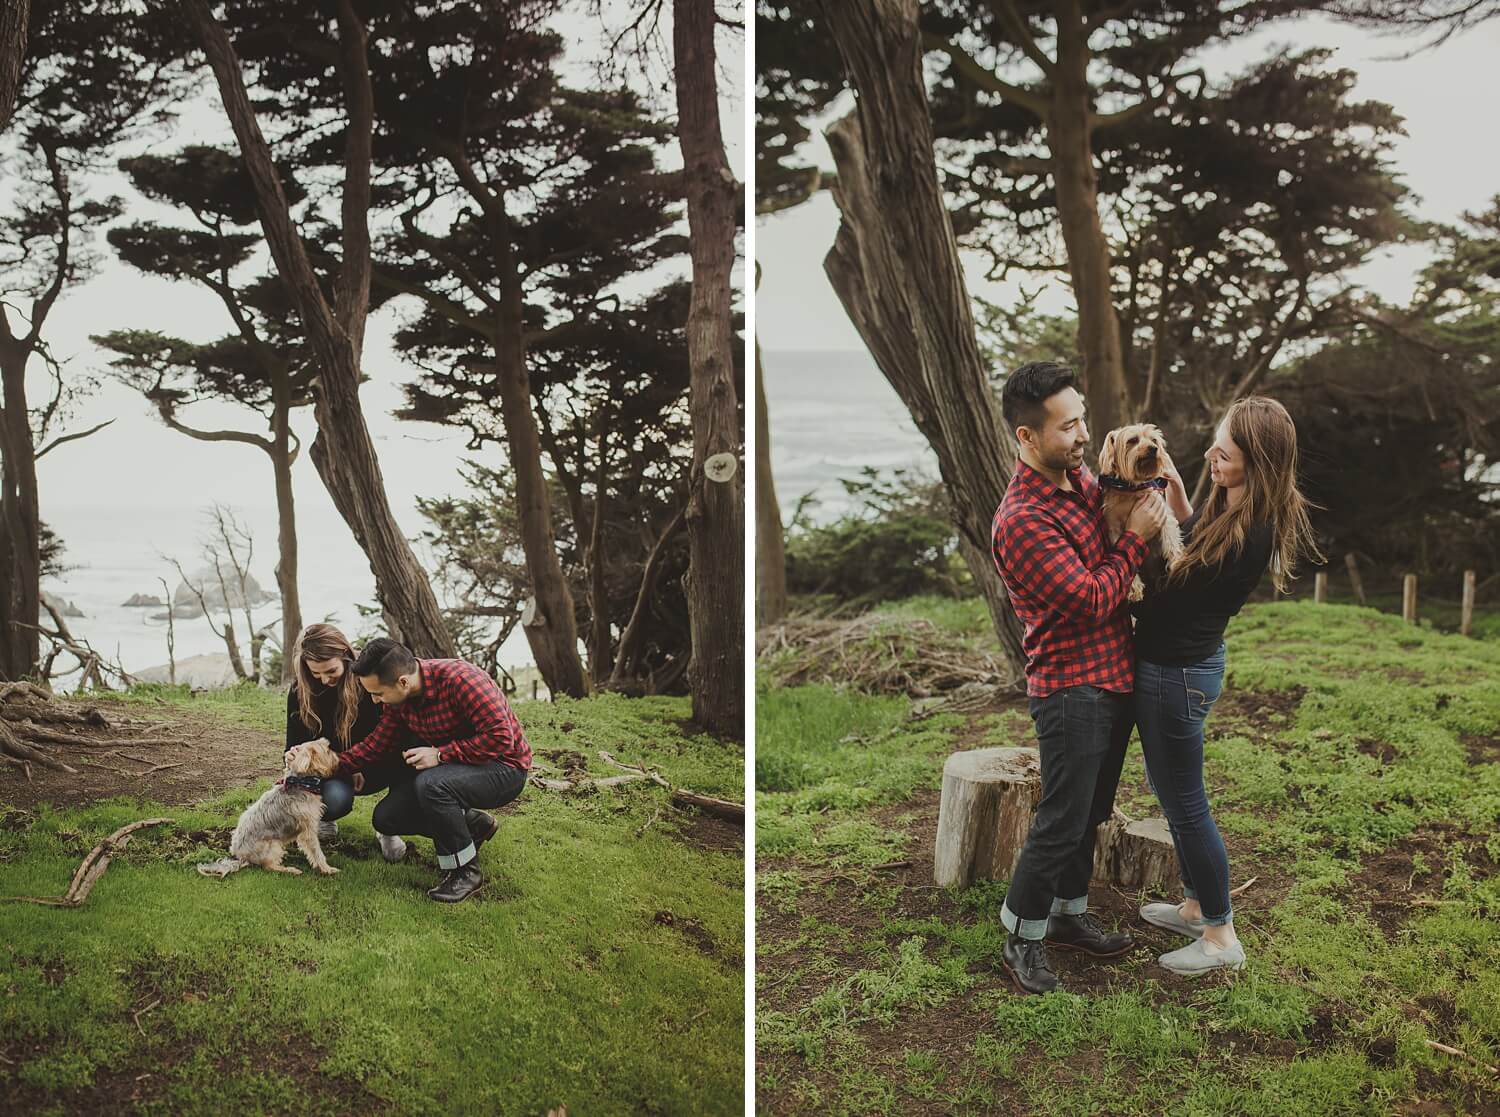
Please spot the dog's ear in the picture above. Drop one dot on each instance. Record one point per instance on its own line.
(1107, 454)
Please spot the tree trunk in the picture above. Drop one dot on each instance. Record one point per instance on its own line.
(770, 539)
(715, 517)
(601, 666)
(634, 636)
(14, 16)
(343, 453)
(552, 628)
(896, 269)
(1069, 138)
(20, 522)
(286, 539)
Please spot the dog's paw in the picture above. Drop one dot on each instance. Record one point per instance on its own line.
(328, 871)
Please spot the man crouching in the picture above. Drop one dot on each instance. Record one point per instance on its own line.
(463, 746)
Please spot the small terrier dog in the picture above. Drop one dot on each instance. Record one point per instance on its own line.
(1132, 460)
(288, 811)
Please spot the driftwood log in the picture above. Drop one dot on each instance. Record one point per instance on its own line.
(720, 808)
(989, 798)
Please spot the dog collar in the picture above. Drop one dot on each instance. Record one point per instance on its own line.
(1119, 484)
(313, 784)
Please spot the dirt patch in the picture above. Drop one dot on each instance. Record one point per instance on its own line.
(1395, 888)
(205, 757)
(706, 831)
(1481, 750)
(1383, 751)
(1266, 713)
(698, 935)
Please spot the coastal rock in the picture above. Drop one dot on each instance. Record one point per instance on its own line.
(206, 580)
(142, 601)
(200, 672)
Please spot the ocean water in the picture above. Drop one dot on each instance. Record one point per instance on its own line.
(831, 415)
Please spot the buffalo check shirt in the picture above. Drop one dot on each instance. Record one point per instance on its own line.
(1067, 585)
(461, 712)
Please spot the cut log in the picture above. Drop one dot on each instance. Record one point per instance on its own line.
(989, 796)
(720, 808)
(1137, 855)
(988, 801)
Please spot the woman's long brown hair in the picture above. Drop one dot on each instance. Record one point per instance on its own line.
(1265, 434)
(320, 642)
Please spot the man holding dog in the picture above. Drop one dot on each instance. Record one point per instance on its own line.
(1068, 586)
(463, 747)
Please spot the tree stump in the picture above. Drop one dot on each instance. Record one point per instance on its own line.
(1137, 855)
(989, 798)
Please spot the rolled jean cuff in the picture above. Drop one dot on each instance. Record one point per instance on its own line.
(1071, 907)
(1033, 929)
(1217, 920)
(1187, 891)
(459, 859)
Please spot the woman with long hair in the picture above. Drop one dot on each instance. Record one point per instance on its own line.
(327, 701)
(1254, 519)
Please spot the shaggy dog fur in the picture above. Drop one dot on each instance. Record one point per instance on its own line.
(1135, 453)
(285, 814)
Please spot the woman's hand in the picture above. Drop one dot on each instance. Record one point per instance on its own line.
(422, 758)
(1176, 494)
(359, 782)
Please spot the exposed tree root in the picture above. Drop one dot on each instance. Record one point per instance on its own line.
(92, 867)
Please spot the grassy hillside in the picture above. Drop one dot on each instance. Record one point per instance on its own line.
(601, 967)
(1354, 765)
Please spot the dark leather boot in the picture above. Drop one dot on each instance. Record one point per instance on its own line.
(1083, 932)
(482, 827)
(1027, 963)
(457, 884)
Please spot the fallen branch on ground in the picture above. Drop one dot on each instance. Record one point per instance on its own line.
(1446, 1050)
(92, 868)
(722, 808)
(1241, 888)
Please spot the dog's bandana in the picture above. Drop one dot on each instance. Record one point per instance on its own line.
(306, 783)
(1119, 484)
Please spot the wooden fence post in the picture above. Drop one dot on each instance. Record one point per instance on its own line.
(1409, 599)
(1320, 587)
(1466, 622)
(1359, 586)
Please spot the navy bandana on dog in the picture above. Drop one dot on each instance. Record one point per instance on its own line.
(306, 783)
(1119, 484)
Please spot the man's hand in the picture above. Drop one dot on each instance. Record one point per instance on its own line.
(1147, 517)
(422, 758)
(359, 782)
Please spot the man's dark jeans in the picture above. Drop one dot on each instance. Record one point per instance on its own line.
(438, 803)
(339, 793)
(1082, 732)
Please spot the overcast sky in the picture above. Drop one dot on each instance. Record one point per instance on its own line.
(138, 462)
(1448, 158)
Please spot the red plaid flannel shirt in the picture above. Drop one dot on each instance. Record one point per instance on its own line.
(461, 712)
(1068, 588)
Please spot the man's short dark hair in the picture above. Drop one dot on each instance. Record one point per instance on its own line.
(1027, 390)
(385, 659)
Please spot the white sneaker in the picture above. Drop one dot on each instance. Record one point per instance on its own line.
(327, 831)
(392, 847)
(1169, 917)
(1201, 956)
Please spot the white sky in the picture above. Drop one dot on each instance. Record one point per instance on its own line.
(1445, 94)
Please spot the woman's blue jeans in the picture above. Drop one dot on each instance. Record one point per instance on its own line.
(1171, 706)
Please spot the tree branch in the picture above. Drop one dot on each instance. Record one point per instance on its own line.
(965, 66)
(56, 442)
